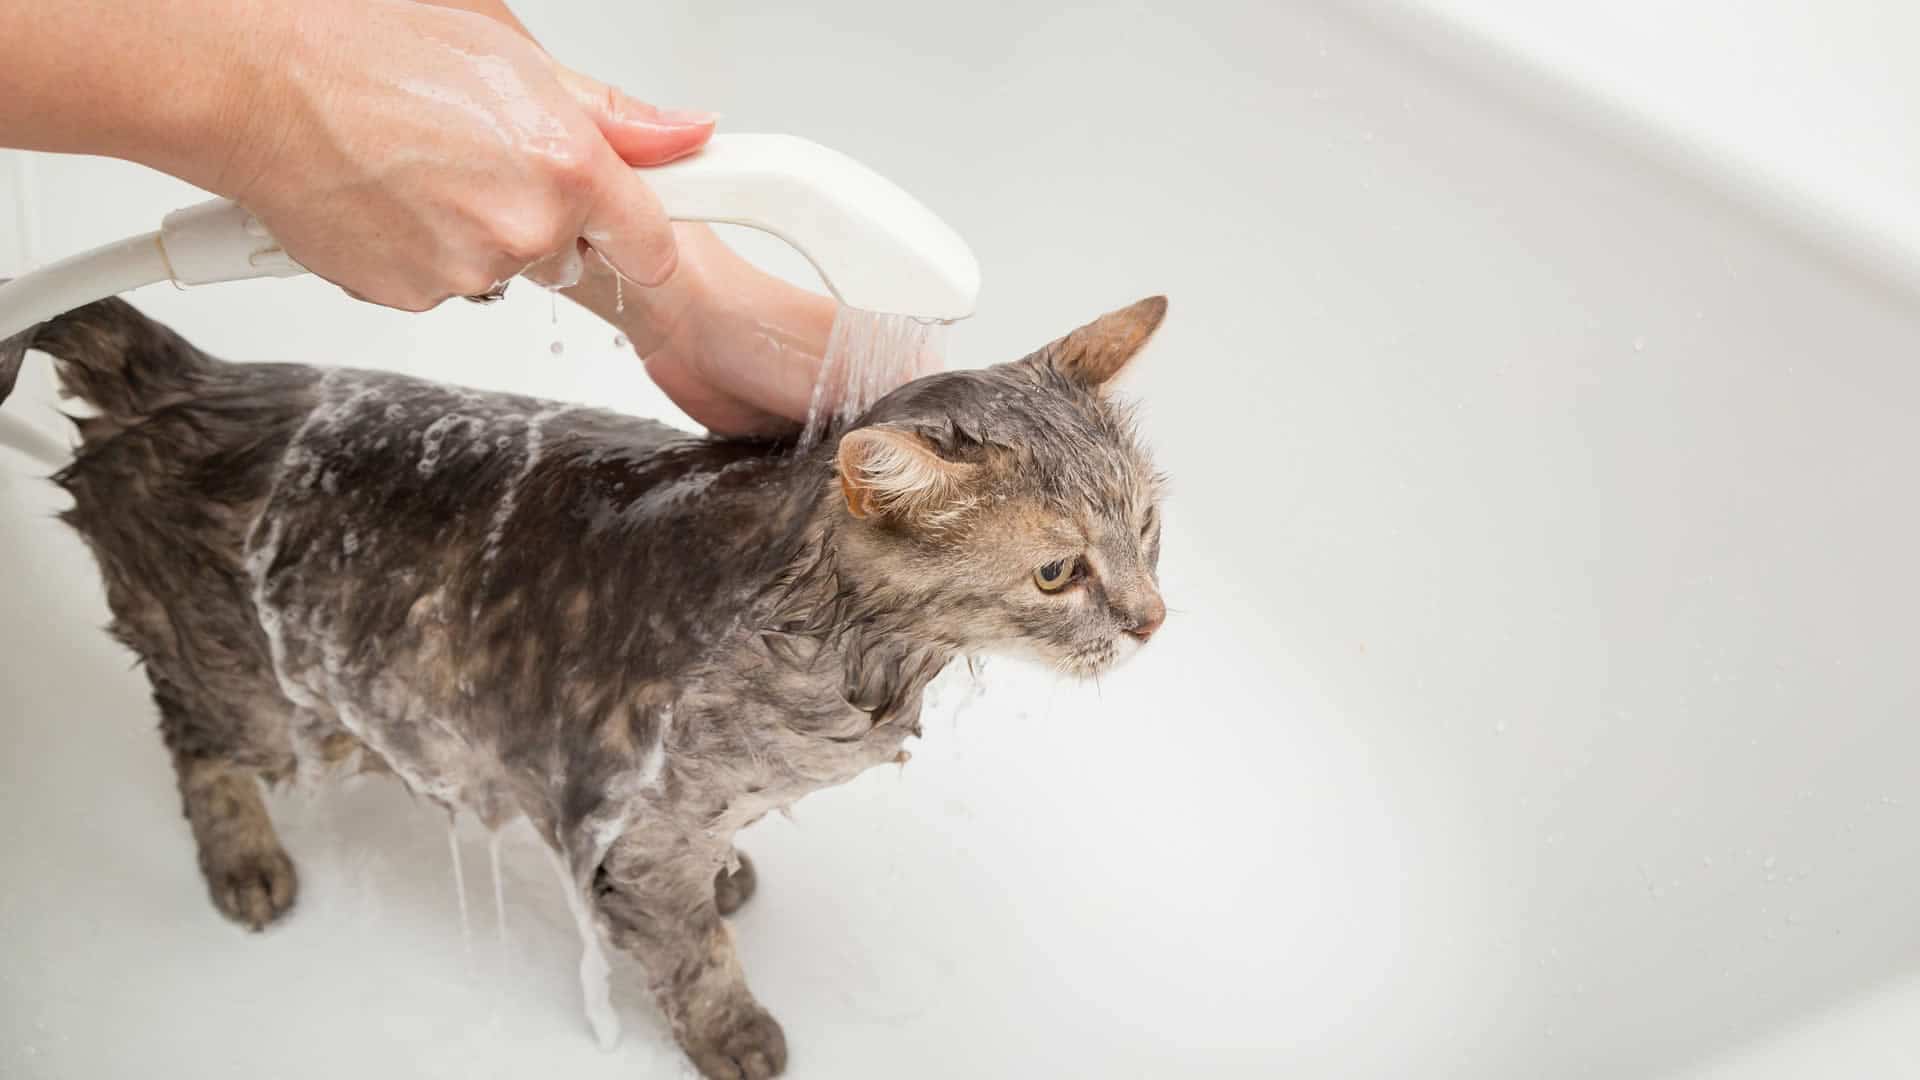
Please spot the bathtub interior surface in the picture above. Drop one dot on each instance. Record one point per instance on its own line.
(1538, 700)
(1805, 106)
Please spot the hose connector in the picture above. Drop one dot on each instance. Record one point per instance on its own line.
(218, 240)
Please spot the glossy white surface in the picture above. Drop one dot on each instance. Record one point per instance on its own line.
(1539, 699)
(1806, 109)
(875, 246)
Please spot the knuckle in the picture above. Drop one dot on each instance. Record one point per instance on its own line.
(526, 238)
(570, 166)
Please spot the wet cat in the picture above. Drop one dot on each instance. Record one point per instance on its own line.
(638, 639)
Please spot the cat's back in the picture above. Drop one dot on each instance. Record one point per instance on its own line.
(403, 470)
(341, 472)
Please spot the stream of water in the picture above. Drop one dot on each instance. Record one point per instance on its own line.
(869, 355)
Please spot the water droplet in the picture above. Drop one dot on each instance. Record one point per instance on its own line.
(557, 348)
(1639, 344)
(620, 341)
(1768, 863)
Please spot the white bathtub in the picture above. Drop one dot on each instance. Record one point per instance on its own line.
(1541, 695)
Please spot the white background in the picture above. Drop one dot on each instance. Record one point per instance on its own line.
(1540, 695)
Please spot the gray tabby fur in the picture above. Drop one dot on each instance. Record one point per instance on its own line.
(640, 640)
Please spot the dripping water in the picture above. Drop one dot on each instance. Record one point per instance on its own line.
(499, 895)
(460, 884)
(594, 969)
(619, 282)
(869, 355)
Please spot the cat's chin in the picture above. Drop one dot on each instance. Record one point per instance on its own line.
(1101, 657)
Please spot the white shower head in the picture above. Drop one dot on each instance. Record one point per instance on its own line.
(876, 246)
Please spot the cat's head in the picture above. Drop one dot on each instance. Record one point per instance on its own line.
(1013, 508)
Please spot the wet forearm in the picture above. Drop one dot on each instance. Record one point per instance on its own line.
(165, 83)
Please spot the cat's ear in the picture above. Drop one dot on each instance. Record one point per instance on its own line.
(1095, 353)
(892, 473)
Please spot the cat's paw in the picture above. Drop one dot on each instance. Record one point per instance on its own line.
(730, 890)
(741, 1042)
(253, 888)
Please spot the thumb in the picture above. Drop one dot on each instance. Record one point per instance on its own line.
(640, 133)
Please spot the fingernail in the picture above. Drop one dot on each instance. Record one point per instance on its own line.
(689, 117)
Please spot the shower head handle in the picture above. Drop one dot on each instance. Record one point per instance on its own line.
(876, 247)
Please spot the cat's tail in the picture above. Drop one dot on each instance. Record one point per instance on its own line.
(112, 357)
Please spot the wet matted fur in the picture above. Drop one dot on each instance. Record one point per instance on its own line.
(638, 639)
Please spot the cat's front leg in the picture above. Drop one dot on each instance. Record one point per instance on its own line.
(735, 885)
(662, 910)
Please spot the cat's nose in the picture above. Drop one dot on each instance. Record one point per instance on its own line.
(1147, 617)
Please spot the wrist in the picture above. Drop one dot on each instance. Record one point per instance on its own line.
(649, 316)
(223, 133)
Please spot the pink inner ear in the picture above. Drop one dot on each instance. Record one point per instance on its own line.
(856, 497)
(895, 473)
(1100, 350)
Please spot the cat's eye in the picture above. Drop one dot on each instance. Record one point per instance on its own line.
(1055, 576)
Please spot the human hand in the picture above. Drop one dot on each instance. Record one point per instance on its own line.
(737, 349)
(410, 153)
